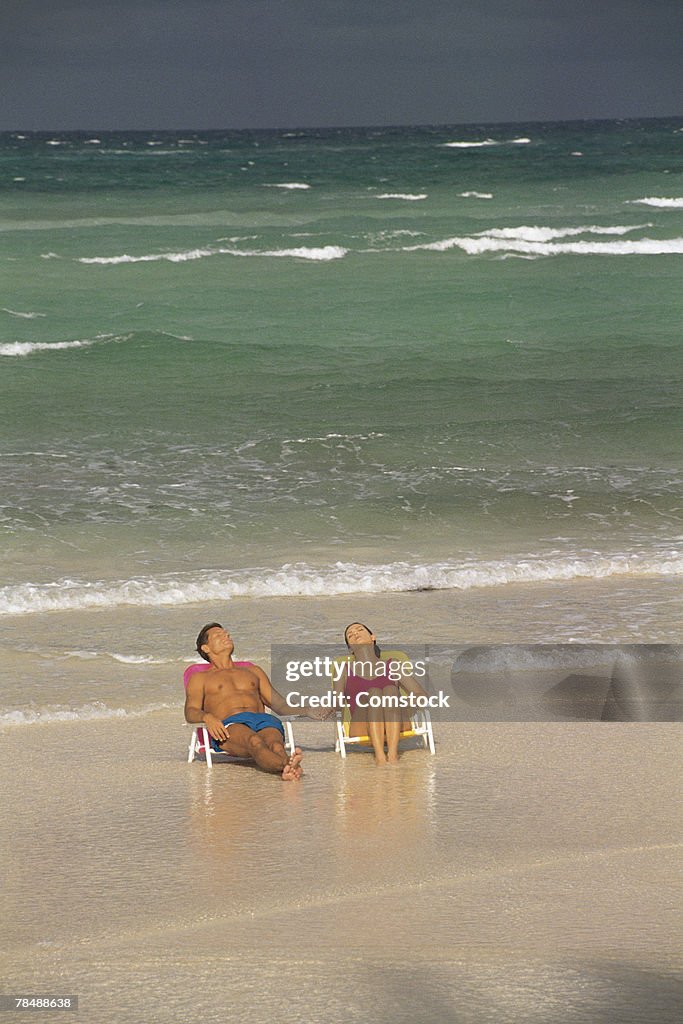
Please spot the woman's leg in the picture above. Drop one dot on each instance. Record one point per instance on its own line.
(377, 728)
(392, 725)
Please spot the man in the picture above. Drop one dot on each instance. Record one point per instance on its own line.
(229, 700)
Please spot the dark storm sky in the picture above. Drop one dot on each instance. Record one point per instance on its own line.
(68, 64)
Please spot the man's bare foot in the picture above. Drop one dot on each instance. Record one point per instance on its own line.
(293, 770)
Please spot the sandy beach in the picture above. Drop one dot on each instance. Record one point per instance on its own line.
(525, 872)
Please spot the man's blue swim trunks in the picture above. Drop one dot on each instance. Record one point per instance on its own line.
(255, 722)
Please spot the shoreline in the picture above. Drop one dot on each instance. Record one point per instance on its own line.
(133, 658)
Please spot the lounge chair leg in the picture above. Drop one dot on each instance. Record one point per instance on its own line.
(207, 746)
(430, 738)
(341, 745)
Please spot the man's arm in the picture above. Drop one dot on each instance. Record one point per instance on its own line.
(277, 702)
(194, 709)
(269, 695)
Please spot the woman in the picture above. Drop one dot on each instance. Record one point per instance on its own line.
(369, 675)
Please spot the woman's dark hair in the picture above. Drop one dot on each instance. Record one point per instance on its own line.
(377, 650)
(203, 637)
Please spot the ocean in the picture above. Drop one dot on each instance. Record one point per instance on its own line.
(247, 366)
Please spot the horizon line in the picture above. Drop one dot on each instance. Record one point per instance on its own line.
(348, 127)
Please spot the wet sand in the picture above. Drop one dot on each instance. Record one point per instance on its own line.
(524, 873)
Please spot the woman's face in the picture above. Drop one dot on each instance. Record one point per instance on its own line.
(357, 634)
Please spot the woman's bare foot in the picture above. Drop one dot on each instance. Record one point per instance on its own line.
(392, 758)
(381, 761)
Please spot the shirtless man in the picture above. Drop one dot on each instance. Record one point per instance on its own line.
(229, 700)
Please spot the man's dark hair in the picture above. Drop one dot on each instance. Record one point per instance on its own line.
(203, 637)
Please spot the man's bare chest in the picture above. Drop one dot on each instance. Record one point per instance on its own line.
(226, 683)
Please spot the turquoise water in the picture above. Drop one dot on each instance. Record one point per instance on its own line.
(281, 362)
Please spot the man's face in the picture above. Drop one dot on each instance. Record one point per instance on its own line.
(218, 641)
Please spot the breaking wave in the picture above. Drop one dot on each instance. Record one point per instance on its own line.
(486, 142)
(543, 241)
(525, 241)
(411, 196)
(303, 580)
(322, 254)
(23, 316)
(675, 203)
(27, 348)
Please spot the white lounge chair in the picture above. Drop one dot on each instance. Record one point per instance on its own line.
(420, 725)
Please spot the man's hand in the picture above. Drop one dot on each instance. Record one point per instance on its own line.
(320, 714)
(216, 728)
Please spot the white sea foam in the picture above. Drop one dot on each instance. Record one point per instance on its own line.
(410, 196)
(169, 257)
(525, 240)
(124, 659)
(137, 659)
(289, 185)
(470, 145)
(330, 437)
(675, 203)
(301, 579)
(322, 253)
(476, 195)
(542, 241)
(534, 233)
(486, 142)
(83, 713)
(24, 316)
(27, 348)
(642, 247)
(517, 256)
